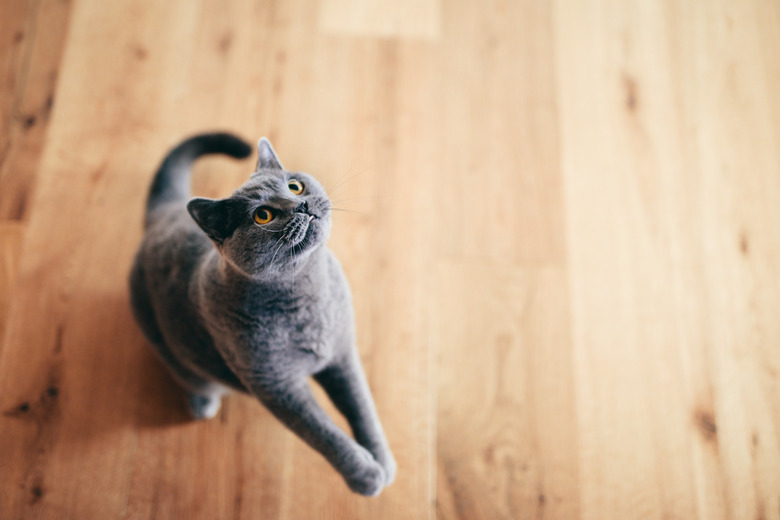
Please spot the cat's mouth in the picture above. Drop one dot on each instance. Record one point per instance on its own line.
(299, 231)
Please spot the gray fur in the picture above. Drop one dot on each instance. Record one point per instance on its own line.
(229, 304)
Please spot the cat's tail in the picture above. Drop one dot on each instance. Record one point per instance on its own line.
(172, 181)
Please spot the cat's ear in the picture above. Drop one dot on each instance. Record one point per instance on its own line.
(218, 218)
(266, 156)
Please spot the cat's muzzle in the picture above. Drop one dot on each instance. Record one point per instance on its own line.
(298, 227)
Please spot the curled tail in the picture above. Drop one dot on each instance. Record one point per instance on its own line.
(172, 180)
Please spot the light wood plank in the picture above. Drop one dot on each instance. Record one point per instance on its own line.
(506, 417)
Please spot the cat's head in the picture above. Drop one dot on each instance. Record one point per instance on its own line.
(272, 223)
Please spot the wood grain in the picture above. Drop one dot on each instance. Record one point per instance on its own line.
(560, 220)
(11, 239)
(34, 33)
(412, 19)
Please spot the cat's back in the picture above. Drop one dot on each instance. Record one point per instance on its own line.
(172, 248)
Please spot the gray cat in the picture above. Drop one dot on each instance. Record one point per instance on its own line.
(242, 294)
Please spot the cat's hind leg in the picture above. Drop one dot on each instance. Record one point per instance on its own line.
(203, 407)
(203, 397)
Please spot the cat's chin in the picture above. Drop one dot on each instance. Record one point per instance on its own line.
(310, 236)
(307, 240)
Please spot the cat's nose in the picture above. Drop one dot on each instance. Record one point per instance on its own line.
(303, 207)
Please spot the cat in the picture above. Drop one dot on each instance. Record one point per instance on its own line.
(243, 294)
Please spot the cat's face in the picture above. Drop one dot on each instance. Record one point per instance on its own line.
(271, 223)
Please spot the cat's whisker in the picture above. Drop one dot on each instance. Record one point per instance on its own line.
(277, 249)
(269, 230)
(292, 263)
(364, 197)
(365, 214)
(341, 189)
(341, 182)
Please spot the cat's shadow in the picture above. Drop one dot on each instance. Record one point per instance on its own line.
(148, 396)
(159, 401)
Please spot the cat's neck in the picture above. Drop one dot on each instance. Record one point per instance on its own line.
(291, 279)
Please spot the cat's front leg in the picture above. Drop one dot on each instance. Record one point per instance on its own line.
(346, 386)
(294, 405)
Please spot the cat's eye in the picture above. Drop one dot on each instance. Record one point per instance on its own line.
(263, 216)
(295, 186)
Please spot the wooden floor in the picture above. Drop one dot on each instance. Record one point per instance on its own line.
(564, 248)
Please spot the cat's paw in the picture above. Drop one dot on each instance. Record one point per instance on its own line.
(367, 476)
(387, 461)
(203, 407)
(382, 454)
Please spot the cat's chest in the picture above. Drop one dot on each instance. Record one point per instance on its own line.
(307, 325)
(279, 325)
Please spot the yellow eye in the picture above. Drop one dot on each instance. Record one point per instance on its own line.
(295, 186)
(263, 216)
